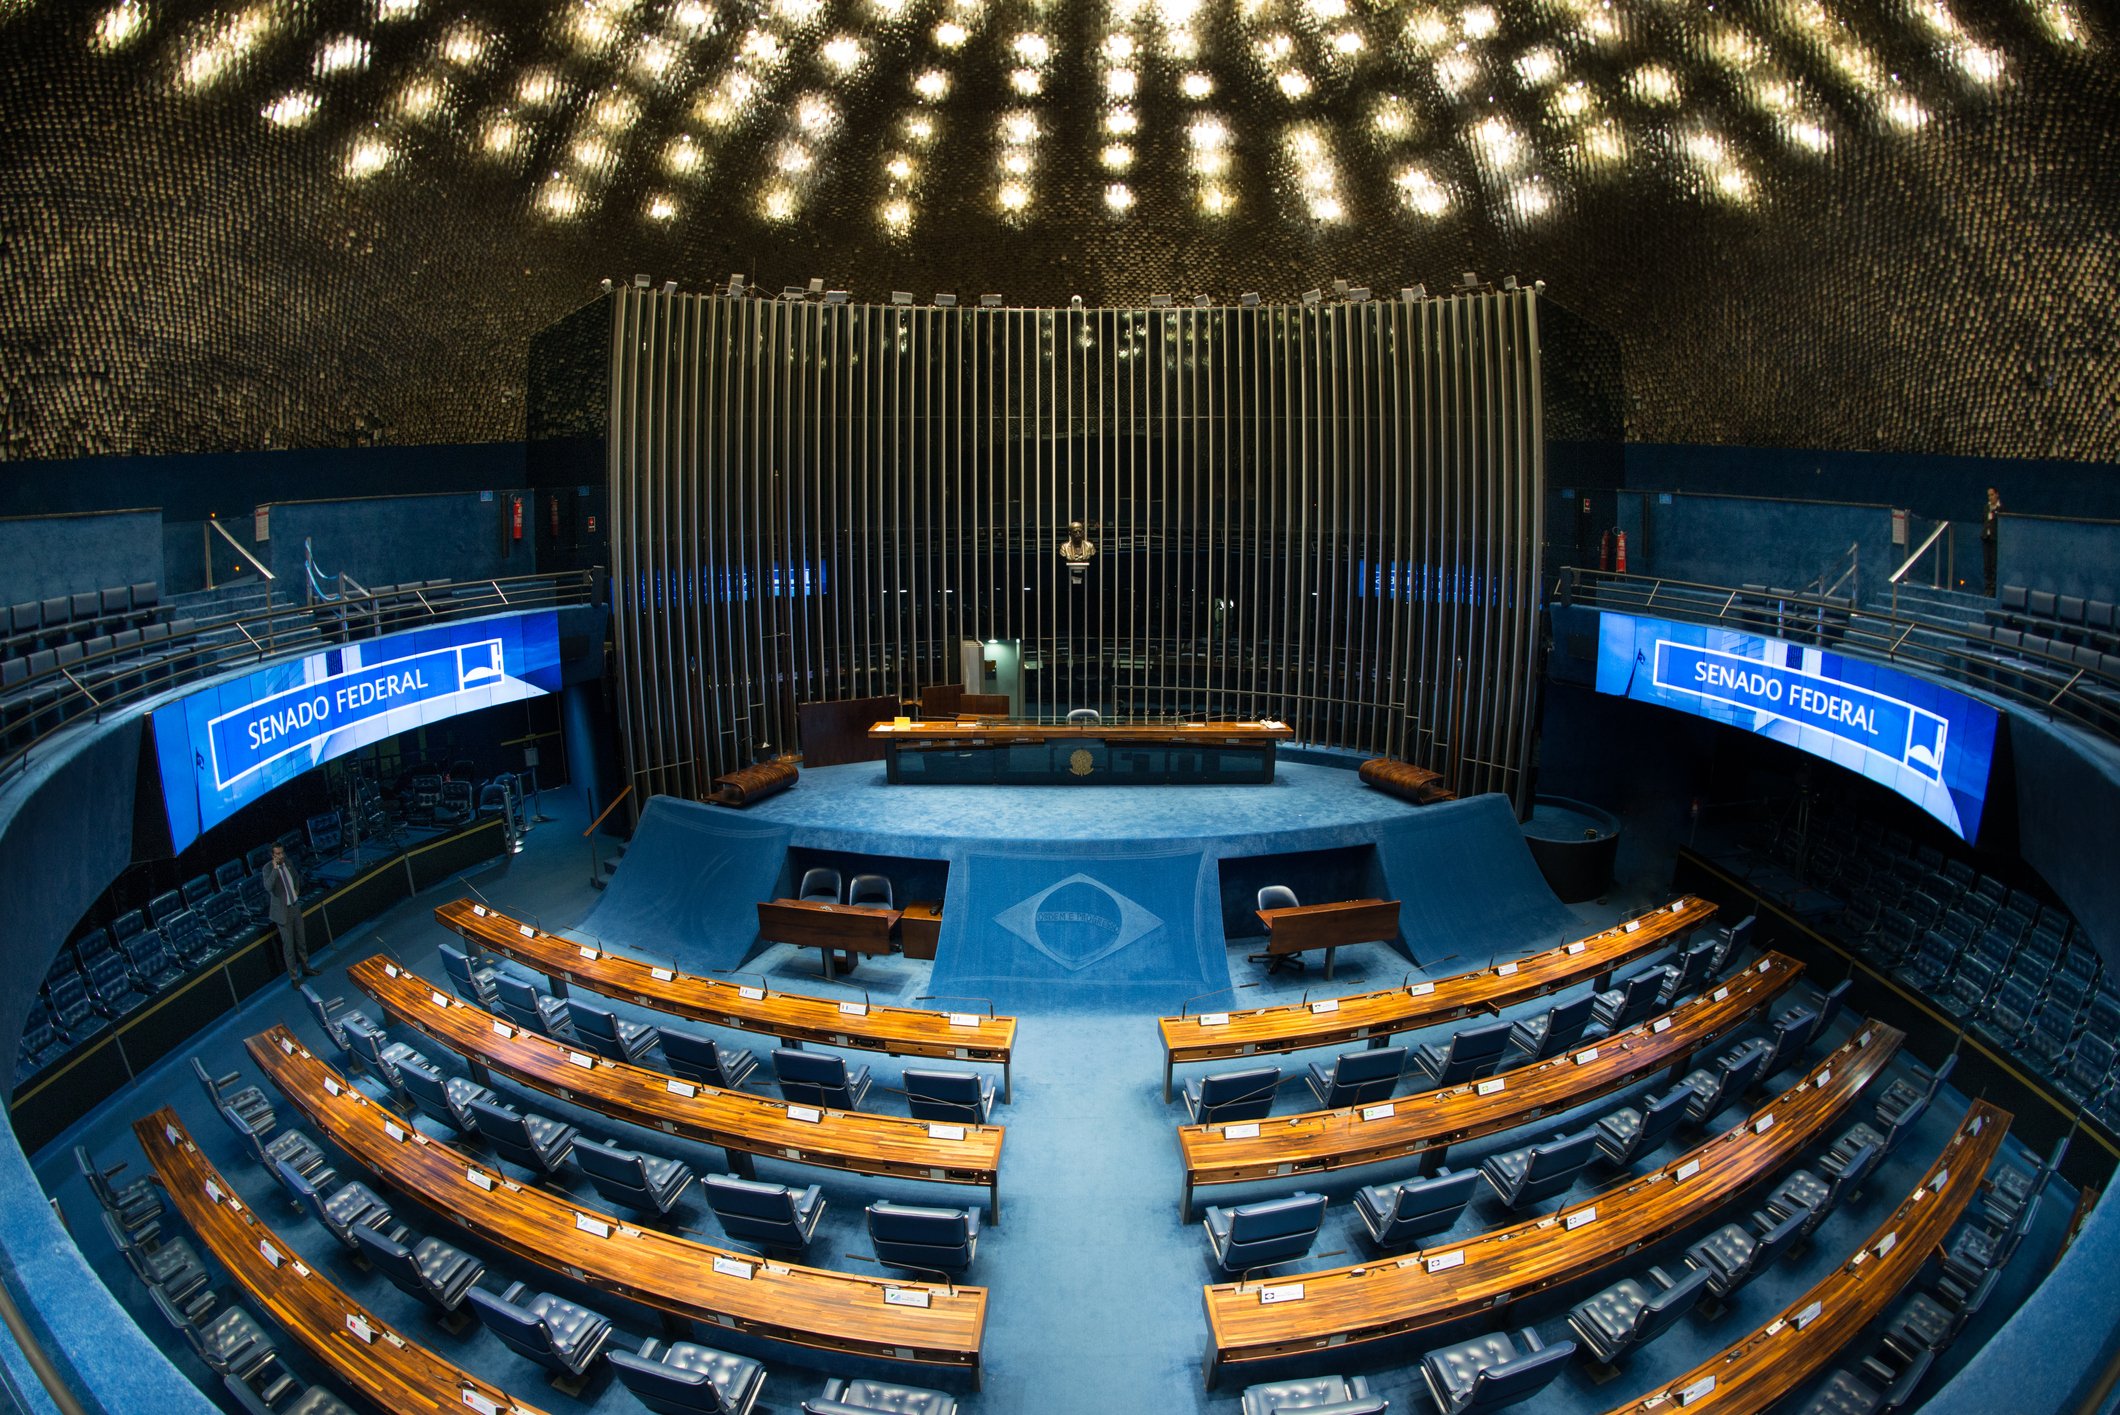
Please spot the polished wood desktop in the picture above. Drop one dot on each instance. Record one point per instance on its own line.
(792, 1017)
(1329, 926)
(732, 1289)
(1817, 1327)
(1375, 1016)
(828, 928)
(984, 735)
(1458, 1278)
(739, 1122)
(1429, 1122)
(391, 1370)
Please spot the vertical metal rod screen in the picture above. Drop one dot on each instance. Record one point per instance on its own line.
(1323, 514)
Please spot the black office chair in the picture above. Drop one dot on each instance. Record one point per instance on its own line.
(1278, 896)
(563, 1337)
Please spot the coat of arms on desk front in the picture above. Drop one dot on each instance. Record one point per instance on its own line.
(1080, 762)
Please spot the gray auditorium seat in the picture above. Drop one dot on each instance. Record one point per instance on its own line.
(1492, 1372)
(1319, 1395)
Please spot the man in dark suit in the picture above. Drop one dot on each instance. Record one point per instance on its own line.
(283, 893)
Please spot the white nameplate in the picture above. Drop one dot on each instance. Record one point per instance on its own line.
(681, 1088)
(1943, 1177)
(1330, 1004)
(213, 1192)
(945, 1132)
(361, 1330)
(589, 954)
(1579, 1218)
(1247, 1131)
(1577, 947)
(594, 1226)
(582, 1059)
(1719, 994)
(1280, 1292)
(1377, 1112)
(1584, 1058)
(1505, 970)
(1443, 1262)
(751, 994)
(479, 909)
(1686, 1170)
(1633, 925)
(731, 1267)
(1887, 1243)
(169, 1133)
(1694, 1392)
(393, 1130)
(1809, 1315)
(441, 999)
(906, 1296)
(526, 930)
(331, 1085)
(1762, 1125)
(854, 1009)
(503, 1030)
(964, 1019)
(807, 1114)
(1488, 1088)
(269, 1253)
(1661, 1024)
(390, 970)
(1979, 1124)
(1766, 965)
(287, 1046)
(480, 1404)
(663, 975)
(1823, 1077)
(1214, 1019)
(480, 1178)
(1865, 1039)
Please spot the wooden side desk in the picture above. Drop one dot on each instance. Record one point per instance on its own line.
(1813, 1330)
(793, 1017)
(1429, 1122)
(1460, 1277)
(392, 1371)
(920, 928)
(1374, 1016)
(1328, 926)
(828, 928)
(815, 1307)
(741, 1123)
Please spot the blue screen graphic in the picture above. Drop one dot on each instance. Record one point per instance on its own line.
(223, 747)
(1930, 744)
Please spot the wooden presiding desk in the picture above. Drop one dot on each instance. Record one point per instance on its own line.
(815, 1307)
(1072, 749)
(1429, 1122)
(1327, 926)
(1816, 1328)
(394, 1373)
(1462, 1277)
(828, 928)
(792, 1017)
(1374, 1016)
(741, 1123)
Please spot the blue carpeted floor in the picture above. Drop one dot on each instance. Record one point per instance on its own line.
(1095, 1283)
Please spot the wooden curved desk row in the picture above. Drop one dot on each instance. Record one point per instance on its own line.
(1375, 1016)
(794, 1017)
(1458, 1278)
(1321, 1140)
(395, 1373)
(735, 1120)
(932, 1323)
(1765, 1366)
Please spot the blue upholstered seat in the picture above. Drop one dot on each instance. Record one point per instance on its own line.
(687, 1379)
(1632, 1312)
(769, 1215)
(446, 1098)
(472, 978)
(608, 1034)
(959, 1097)
(1395, 1215)
(344, 1209)
(922, 1238)
(820, 884)
(865, 1397)
(1735, 1254)
(1232, 1095)
(1314, 1395)
(563, 1337)
(1264, 1233)
(1635, 1130)
(429, 1270)
(819, 1078)
(1491, 1372)
(521, 1002)
(631, 1178)
(1552, 1031)
(702, 1059)
(1470, 1052)
(1534, 1172)
(536, 1142)
(1357, 1077)
(1634, 998)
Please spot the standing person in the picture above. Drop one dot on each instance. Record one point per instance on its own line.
(1988, 524)
(283, 894)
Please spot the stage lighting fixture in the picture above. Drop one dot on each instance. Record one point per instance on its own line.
(606, 285)
(1508, 282)
(1470, 280)
(792, 292)
(1410, 293)
(1201, 302)
(1159, 302)
(669, 287)
(944, 300)
(1356, 294)
(1311, 297)
(1249, 299)
(640, 282)
(835, 297)
(901, 297)
(990, 302)
(1339, 289)
(816, 286)
(1074, 302)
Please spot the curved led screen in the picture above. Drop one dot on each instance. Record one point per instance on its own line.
(1930, 744)
(223, 747)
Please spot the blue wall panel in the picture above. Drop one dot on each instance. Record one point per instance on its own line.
(2067, 557)
(387, 540)
(42, 556)
(1739, 540)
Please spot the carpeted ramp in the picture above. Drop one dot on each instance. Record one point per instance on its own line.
(1467, 884)
(1078, 926)
(687, 884)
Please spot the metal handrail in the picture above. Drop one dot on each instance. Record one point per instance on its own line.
(1923, 549)
(343, 621)
(256, 564)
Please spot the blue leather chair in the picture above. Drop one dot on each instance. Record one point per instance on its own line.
(350, 1207)
(446, 1098)
(609, 1035)
(1470, 1052)
(923, 1239)
(563, 1337)
(521, 1003)
(136, 1206)
(473, 980)
(1552, 1031)
(1634, 1130)
(686, 1379)
(865, 1397)
(1735, 1254)
(1357, 1077)
(820, 884)
(954, 1097)
(1232, 1095)
(373, 1048)
(1278, 896)
(1318, 1395)
(1632, 1312)
(869, 892)
(1397, 1214)
(1534, 1172)
(1492, 1372)
(1717, 1085)
(1634, 998)
(246, 1101)
(768, 1215)
(702, 1059)
(536, 1142)
(430, 1271)
(631, 1178)
(1689, 973)
(1842, 1394)
(1905, 1096)
(334, 1018)
(289, 1147)
(1829, 1008)
(1265, 1233)
(1787, 1037)
(819, 1078)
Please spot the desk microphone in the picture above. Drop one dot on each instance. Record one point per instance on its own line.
(956, 997)
(739, 973)
(1215, 993)
(949, 1285)
(464, 879)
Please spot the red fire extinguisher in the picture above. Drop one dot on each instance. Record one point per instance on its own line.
(516, 519)
(1619, 557)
